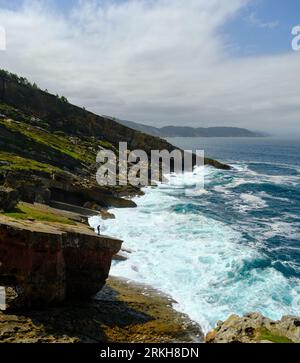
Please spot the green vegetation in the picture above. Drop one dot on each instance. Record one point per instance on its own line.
(265, 334)
(14, 162)
(106, 145)
(24, 82)
(20, 80)
(63, 144)
(64, 99)
(26, 212)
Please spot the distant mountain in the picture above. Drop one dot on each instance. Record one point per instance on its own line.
(174, 131)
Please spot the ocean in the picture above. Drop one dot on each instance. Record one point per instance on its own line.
(233, 249)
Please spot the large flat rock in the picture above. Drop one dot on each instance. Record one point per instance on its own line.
(43, 264)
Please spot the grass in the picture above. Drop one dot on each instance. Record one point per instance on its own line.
(265, 334)
(26, 212)
(19, 163)
(60, 143)
(106, 145)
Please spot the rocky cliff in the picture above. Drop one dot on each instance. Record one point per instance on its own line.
(48, 151)
(45, 263)
(48, 147)
(34, 107)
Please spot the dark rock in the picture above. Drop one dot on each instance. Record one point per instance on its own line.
(120, 257)
(42, 195)
(9, 198)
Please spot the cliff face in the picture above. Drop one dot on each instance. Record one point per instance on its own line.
(45, 264)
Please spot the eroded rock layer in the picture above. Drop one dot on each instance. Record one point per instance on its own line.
(43, 265)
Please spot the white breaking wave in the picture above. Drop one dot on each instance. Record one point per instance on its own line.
(203, 264)
(250, 202)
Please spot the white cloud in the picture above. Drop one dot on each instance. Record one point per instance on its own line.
(158, 62)
(254, 20)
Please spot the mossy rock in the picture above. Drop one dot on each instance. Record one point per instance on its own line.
(267, 335)
(24, 211)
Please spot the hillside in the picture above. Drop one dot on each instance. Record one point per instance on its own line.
(48, 190)
(174, 131)
(48, 147)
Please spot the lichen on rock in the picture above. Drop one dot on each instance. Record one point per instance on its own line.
(255, 328)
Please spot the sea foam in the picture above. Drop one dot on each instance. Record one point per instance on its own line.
(203, 263)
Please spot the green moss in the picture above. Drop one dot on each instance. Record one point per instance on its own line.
(14, 162)
(266, 334)
(106, 145)
(25, 212)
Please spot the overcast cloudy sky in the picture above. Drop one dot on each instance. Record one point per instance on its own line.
(161, 62)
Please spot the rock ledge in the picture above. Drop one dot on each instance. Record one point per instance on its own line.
(42, 264)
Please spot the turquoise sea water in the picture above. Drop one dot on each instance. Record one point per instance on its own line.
(233, 249)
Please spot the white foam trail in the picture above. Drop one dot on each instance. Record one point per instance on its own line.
(250, 202)
(273, 227)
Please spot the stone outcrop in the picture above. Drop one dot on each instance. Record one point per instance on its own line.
(255, 328)
(42, 265)
(8, 198)
(65, 188)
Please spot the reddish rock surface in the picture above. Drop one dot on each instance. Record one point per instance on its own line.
(42, 265)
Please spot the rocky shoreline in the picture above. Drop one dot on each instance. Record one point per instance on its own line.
(51, 262)
(63, 256)
(52, 265)
(123, 312)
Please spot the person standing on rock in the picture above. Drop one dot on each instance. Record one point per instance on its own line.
(99, 230)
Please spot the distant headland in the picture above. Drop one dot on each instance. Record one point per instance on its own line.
(182, 131)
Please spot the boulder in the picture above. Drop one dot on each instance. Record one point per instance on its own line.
(43, 265)
(9, 198)
(255, 328)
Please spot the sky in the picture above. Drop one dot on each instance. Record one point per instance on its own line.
(195, 63)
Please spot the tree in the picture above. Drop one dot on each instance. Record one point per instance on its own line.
(64, 99)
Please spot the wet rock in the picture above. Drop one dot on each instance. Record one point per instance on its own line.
(120, 257)
(105, 214)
